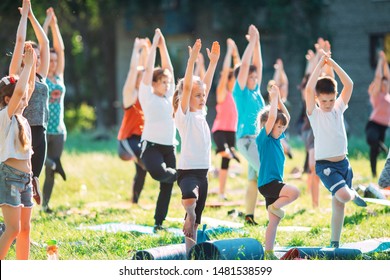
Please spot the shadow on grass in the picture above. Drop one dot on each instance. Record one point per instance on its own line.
(358, 217)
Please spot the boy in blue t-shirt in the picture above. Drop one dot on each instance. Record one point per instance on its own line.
(276, 193)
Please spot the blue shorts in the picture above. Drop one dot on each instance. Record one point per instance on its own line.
(334, 175)
(15, 187)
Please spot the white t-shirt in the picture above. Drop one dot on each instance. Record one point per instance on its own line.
(159, 126)
(195, 139)
(330, 137)
(10, 146)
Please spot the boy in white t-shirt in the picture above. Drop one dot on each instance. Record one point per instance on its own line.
(330, 139)
(189, 103)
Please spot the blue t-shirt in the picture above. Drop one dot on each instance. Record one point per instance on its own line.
(56, 123)
(249, 104)
(271, 157)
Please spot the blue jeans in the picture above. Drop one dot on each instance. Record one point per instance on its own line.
(15, 187)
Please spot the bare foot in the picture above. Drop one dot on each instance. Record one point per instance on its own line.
(188, 228)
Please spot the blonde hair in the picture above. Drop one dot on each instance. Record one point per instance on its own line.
(179, 91)
(7, 87)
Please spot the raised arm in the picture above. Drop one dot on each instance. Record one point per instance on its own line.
(375, 85)
(148, 75)
(188, 76)
(346, 92)
(246, 57)
(235, 54)
(43, 67)
(386, 70)
(129, 94)
(17, 56)
(223, 80)
(311, 84)
(200, 69)
(165, 58)
(22, 83)
(280, 77)
(327, 70)
(213, 57)
(273, 111)
(58, 45)
(283, 108)
(257, 58)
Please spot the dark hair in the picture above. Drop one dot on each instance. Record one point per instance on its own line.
(252, 69)
(280, 116)
(326, 85)
(8, 90)
(159, 73)
(176, 95)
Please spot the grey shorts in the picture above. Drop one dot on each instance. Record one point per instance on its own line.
(15, 187)
(384, 178)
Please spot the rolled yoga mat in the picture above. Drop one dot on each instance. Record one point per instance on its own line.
(228, 249)
(169, 252)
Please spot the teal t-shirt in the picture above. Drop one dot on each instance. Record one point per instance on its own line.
(271, 157)
(56, 123)
(249, 104)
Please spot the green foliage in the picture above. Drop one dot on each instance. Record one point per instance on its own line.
(80, 117)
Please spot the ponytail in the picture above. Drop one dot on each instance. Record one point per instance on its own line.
(22, 134)
(176, 96)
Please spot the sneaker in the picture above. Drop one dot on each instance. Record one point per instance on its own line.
(249, 221)
(358, 200)
(158, 228)
(36, 191)
(47, 209)
(276, 211)
(334, 244)
(59, 168)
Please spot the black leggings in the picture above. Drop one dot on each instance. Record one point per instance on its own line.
(55, 146)
(221, 138)
(160, 162)
(127, 149)
(39, 146)
(375, 133)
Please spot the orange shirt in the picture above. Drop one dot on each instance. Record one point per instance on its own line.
(132, 122)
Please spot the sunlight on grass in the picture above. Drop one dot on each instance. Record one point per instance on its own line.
(98, 191)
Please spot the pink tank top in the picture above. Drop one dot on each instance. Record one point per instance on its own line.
(380, 108)
(226, 119)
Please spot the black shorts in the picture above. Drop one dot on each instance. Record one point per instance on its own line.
(271, 191)
(221, 137)
(193, 183)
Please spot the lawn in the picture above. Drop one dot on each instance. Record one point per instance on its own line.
(98, 190)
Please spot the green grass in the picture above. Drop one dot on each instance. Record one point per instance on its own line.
(108, 180)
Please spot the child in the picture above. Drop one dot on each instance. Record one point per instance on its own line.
(249, 102)
(330, 139)
(159, 134)
(190, 117)
(130, 132)
(379, 92)
(276, 193)
(56, 130)
(37, 111)
(225, 123)
(15, 158)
